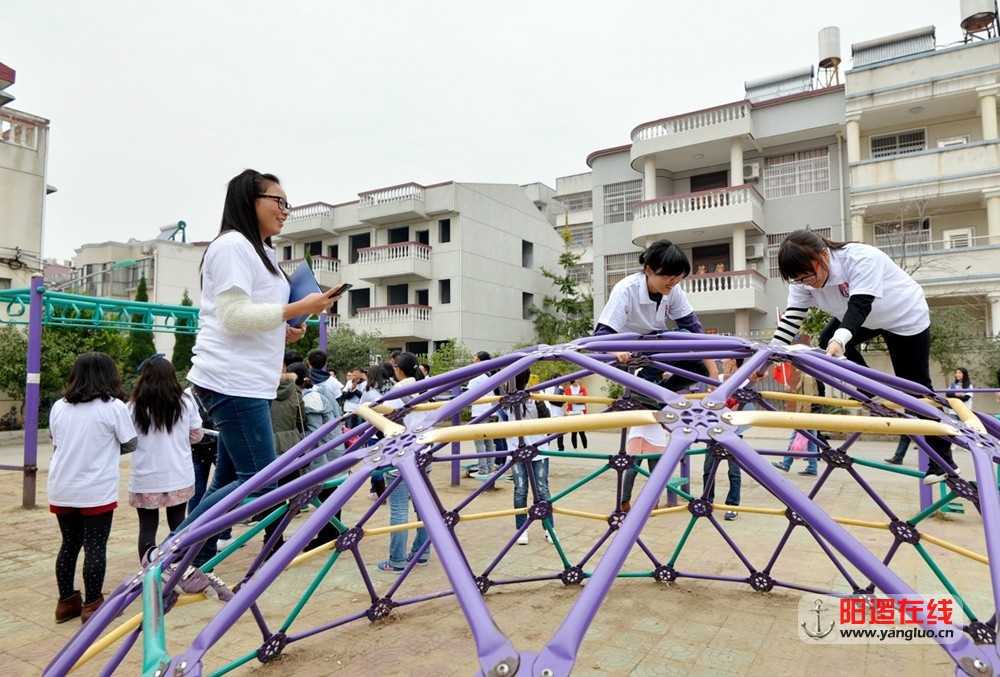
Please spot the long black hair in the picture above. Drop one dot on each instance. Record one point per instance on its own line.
(964, 383)
(410, 366)
(94, 376)
(239, 211)
(157, 397)
(800, 249)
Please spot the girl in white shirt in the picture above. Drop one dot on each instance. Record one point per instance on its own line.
(168, 423)
(90, 428)
(868, 296)
(242, 330)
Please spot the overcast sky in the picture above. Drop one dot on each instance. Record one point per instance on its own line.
(154, 106)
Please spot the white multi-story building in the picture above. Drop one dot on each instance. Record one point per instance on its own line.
(24, 142)
(431, 264)
(575, 194)
(924, 157)
(905, 156)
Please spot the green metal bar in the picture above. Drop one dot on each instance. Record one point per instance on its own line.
(154, 638)
(320, 575)
(944, 580)
(577, 485)
(684, 537)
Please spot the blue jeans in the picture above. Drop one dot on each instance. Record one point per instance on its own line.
(486, 462)
(246, 446)
(628, 481)
(202, 471)
(399, 513)
(735, 480)
(540, 468)
(811, 465)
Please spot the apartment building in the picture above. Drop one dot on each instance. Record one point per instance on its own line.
(430, 264)
(924, 157)
(903, 155)
(726, 184)
(24, 142)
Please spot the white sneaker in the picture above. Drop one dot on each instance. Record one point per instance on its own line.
(523, 538)
(548, 536)
(941, 476)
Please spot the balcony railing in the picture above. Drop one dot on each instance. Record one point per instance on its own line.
(312, 209)
(679, 216)
(711, 117)
(394, 252)
(738, 289)
(406, 191)
(18, 131)
(319, 264)
(398, 313)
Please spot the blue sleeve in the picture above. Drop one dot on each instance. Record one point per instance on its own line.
(691, 323)
(603, 330)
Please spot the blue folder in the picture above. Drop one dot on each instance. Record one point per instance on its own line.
(302, 284)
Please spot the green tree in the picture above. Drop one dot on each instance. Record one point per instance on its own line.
(814, 322)
(183, 343)
(569, 314)
(140, 341)
(450, 355)
(347, 349)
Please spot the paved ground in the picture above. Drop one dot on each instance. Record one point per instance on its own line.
(645, 628)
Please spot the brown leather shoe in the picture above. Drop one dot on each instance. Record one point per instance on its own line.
(87, 610)
(69, 608)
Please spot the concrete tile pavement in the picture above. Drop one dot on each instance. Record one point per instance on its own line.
(692, 626)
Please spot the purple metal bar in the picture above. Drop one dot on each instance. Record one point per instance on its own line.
(324, 323)
(32, 395)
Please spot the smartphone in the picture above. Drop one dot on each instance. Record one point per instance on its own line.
(339, 291)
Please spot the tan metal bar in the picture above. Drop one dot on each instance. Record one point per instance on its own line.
(540, 426)
(840, 422)
(384, 425)
(967, 416)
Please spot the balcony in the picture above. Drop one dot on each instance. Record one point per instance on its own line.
(325, 269)
(705, 132)
(935, 173)
(311, 220)
(403, 260)
(735, 290)
(404, 322)
(389, 205)
(964, 265)
(697, 217)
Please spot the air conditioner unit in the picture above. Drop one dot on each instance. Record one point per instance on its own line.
(959, 238)
(751, 171)
(755, 251)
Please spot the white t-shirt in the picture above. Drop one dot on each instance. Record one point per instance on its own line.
(84, 471)
(629, 308)
(899, 305)
(242, 365)
(162, 460)
(651, 432)
(480, 409)
(530, 412)
(556, 408)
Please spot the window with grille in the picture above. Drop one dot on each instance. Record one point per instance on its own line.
(578, 202)
(903, 238)
(899, 143)
(774, 241)
(619, 198)
(797, 173)
(582, 273)
(580, 235)
(618, 266)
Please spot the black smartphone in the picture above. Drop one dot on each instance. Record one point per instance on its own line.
(339, 291)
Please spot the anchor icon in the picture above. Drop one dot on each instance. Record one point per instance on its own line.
(820, 633)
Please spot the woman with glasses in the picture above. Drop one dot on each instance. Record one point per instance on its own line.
(238, 354)
(868, 296)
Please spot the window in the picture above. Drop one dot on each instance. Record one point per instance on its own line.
(903, 238)
(444, 230)
(582, 273)
(527, 303)
(357, 242)
(397, 294)
(5, 282)
(953, 141)
(314, 248)
(527, 254)
(424, 237)
(333, 251)
(709, 181)
(286, 253)
(399, 235)
(957, 238)
(580, 235)
(359, 298)
(578, 202)
(774, 241)
(421, 297)
(899, 143)
(619, 266)
(797, 173)
(444, 291)
(619, 198)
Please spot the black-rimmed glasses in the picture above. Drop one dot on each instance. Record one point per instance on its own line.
(282, 202)
(805, 279)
